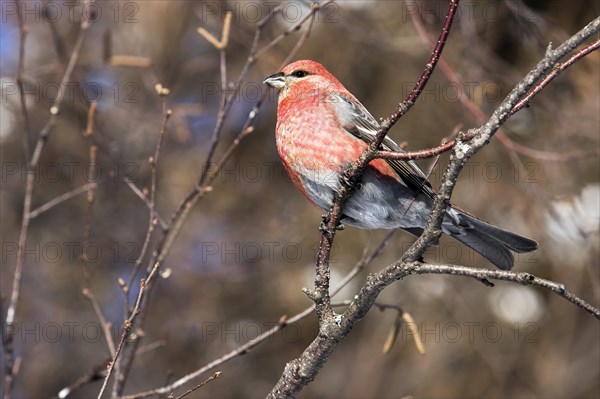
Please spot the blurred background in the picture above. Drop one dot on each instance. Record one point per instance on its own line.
(248, 247)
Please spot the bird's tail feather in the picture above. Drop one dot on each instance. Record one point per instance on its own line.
(491, 242)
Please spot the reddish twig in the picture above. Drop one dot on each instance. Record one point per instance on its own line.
(476, 111)
(429, 67)
(555, 72)
(421, 154)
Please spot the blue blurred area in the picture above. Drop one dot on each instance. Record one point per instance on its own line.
(9, 47)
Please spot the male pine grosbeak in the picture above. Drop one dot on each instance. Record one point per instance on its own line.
(322, 128)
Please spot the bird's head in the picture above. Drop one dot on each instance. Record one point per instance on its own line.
(303, 76)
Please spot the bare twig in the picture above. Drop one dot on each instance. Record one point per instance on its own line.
(95, 374)
(421, 154)
(23, 30)
(87, 291)
(143, 197)
(59, 45)
(555, 72)
(221, 45)
(476, 111)
(215, 375)
(151, 202)
(8, 336)
(515, 277)
(99, 371)
(245, 348)
(133, 313)
(153, 220)
(60, 199)
(208, 174)
(127, 327)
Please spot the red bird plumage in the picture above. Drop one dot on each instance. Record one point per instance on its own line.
(322, 127)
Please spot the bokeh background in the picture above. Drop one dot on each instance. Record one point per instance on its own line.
(249, 246)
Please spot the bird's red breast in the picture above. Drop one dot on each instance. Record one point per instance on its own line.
(312, 142)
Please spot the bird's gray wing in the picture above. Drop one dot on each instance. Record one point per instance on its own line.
(357, 121)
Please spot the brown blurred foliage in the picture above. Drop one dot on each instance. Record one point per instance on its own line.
(249, 246)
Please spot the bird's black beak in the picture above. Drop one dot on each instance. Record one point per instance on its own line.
(276, 81)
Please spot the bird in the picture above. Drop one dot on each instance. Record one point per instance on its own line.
(322, 128)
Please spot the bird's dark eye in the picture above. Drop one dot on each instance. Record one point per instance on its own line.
(299, 73)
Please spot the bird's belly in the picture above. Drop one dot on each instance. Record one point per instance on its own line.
(377, 203)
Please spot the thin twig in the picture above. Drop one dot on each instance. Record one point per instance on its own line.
(23, 30)
(8, 336)
(222, 43)
(555, 72)
(420, 154)
(153, 161)
(59, 45)
(151, 202)
(99, 371)
(60, 199)
(223, 110)
(87, 291)
(143, 197)
(95, 374)
(215, 375)
(523, 278)
(128, 326)
(284, 322)
(514, 147)
(56, 106)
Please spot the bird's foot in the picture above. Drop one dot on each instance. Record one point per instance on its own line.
(323, 226)
(349, 182)
(325, 220)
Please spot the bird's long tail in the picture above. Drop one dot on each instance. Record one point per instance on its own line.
(491, 242)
